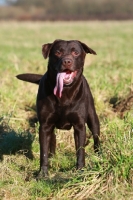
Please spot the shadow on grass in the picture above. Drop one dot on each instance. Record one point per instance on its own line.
(122, 105)
(12, 142)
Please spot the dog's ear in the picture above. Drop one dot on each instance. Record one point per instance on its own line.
(47, 47)
(87, 49)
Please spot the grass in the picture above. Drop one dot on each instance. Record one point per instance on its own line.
(110, 75)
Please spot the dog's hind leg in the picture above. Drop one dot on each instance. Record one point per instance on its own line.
(94, 126)
(52, 144)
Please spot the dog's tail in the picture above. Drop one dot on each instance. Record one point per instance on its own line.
(32, 78)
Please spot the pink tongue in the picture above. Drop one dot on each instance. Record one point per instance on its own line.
(59, 84)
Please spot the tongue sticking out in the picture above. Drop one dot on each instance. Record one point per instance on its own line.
(63, 78)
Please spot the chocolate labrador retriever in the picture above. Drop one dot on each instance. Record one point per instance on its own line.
(64, 99)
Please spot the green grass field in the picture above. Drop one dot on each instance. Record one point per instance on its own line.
(110, 75)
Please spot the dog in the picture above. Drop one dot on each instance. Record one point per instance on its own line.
(64, 99)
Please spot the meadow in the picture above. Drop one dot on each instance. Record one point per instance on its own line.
(110, 76)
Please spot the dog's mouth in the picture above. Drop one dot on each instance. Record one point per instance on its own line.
(63, 78)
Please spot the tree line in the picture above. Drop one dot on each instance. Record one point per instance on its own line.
(68, 9)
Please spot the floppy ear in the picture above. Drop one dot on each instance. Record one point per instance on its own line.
(47, 47)
(87, 49)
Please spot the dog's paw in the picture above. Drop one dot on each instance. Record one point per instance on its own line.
(42, 175)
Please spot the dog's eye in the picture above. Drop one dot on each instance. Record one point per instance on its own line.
(75, 53)
(58, 53)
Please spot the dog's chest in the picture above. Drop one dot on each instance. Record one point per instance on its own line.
(62, 117)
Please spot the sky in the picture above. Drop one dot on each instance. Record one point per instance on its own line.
(2, 2)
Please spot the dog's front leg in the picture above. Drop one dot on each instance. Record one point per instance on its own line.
(45, 133)
(80, 137)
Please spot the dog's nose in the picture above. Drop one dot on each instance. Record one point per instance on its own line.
(67, 62)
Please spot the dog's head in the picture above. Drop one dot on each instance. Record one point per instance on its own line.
(66, 61)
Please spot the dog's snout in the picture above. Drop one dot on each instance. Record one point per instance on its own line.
(67, 62)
